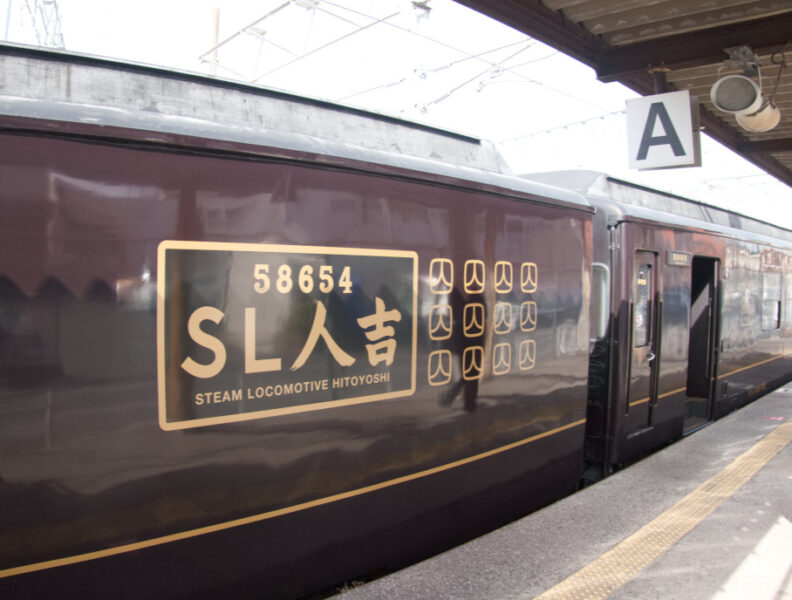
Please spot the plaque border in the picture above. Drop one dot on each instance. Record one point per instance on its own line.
(167, 245)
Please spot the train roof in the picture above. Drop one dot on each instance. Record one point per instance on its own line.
(55, 87)
(624, 200)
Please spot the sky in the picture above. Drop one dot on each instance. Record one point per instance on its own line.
(447, 66)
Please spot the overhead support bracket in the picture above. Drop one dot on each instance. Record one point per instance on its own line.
(659, 79)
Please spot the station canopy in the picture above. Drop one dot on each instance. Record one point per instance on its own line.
(634, 41)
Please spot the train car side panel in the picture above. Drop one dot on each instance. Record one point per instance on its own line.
(99, 494)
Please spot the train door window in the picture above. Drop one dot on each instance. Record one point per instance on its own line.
(642, 319)
(771, 301)
(600, 300)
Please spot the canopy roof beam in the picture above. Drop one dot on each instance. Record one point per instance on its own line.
(694, 49)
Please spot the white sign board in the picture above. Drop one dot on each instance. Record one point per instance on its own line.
(661, 132)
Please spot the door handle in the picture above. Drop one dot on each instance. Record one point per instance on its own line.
(650, 357)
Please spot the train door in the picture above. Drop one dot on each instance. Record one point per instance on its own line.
(703, 344)
(642, 392)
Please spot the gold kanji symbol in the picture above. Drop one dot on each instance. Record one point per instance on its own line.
(318, 330)
(528, 316)
(440, 322)
(529, 277)
(441, 275)
(472, 363)
(527, 358)
(474, 276)
(382, 351)
(439, 368)
(503, 317)
(473, 319)
(501, 358)
(503, 277)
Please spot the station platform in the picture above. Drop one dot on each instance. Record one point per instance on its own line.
(707, 517)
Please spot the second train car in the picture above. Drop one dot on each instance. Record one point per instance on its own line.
(691, 315)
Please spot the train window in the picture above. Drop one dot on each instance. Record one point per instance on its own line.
(642, 318)
(600, 300)
(771, 301)
(788, 301)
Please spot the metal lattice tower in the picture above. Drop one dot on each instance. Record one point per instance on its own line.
(46, 22)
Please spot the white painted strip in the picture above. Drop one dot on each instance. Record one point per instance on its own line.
(766, 573)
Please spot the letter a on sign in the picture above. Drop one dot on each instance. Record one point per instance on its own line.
(660, 132)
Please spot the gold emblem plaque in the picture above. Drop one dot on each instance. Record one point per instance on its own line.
(247, 331)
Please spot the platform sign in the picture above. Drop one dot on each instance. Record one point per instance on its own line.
(247, 331)
(662, 131)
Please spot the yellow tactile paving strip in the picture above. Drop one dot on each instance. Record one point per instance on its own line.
(622, 563)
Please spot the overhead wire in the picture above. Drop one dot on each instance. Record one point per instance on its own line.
(236, 74)
(263, 39)
(439, 42)
(404, 29)
(324, 46)
(474, 78)
(536, 60)
(426, 71)
(386, 21)
(562, 126)
(239, 32)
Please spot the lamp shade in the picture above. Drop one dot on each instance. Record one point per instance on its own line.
(736, 94)
(761, 121)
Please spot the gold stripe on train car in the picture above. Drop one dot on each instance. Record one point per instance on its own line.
(183, 535)
(729, 374)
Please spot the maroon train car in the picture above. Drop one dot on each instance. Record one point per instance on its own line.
(691, 315)
(253, 344)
